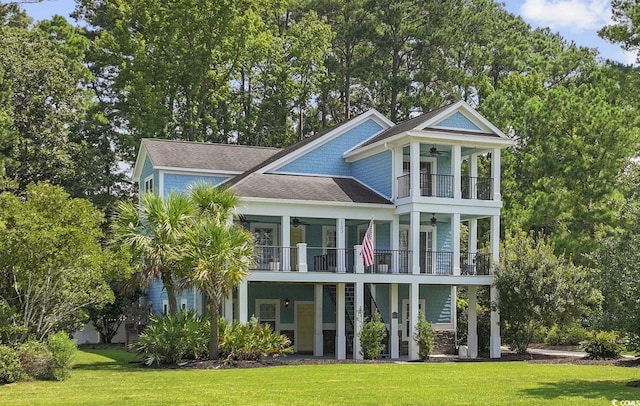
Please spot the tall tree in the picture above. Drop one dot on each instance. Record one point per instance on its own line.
(52, 265)
(43, 81)
(626, 25)
(164, 68)
(153, 232)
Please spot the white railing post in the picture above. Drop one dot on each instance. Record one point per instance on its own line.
(357, 259)
(302, 257)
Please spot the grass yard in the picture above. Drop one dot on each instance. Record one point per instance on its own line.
(103, 377)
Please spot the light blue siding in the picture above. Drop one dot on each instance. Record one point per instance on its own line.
(437, 300)
(383, 237)
(279, 291)
(438, 303)
(443, 164)
(180, 183)
(443, 241)
(157, 294)
(457, 120)
(327, 159)
(375, 172)
(147, 170)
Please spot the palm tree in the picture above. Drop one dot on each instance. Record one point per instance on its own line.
(153, 231)
(218, 252)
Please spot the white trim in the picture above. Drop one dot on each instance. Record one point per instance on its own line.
(273, 226)
(165, 307)
(183, 305)
(372, 114)
(145, 188)
(259, 302)
(139, 164)
(431, 136)
(406, 315)
(326, 228)
(462, 107)
(296, 202)
(161, 184)
(295, 321)
(204, 172)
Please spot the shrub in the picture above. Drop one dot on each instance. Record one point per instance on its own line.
(570, 334)
(602, 345)
(250, 341)
(63, 351)
(483, 323)
(424, 336)
(171, 338)
(372, 335)
(36, 360)
(10, 369)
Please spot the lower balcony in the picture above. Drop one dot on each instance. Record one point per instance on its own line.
(340, 260)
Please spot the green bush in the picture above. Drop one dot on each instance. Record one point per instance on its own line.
(10, 368)
(483, 323)
(570, 334)
(602, 345)
(171, 338)
(37, 360)
(540, 335)
(250, 341)
(63, 350)
(424, 337)
(371, 337)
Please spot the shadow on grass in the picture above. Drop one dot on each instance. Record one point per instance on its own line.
(110, 359)
(584, 389)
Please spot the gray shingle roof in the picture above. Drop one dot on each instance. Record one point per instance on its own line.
(198, 155)
(294, 187)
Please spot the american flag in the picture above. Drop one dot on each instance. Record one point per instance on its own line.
(367, 246)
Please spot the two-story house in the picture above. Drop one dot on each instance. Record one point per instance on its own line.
(309, 206)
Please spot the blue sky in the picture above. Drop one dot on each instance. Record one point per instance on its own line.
(575, 20)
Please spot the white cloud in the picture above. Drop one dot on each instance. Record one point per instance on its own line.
(574, 15)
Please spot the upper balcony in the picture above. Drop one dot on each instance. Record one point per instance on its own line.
(334, 260)
(432, 185)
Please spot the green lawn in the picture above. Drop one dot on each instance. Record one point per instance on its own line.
(104, 377)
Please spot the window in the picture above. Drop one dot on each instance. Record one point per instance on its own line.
(148, 184)
(267, 311)
(165, 307)
(183, 304)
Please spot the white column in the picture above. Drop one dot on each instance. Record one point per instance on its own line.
(318, 339)
(397, 169)
(415, 242)
(302, 257)
(455, 242)
(285, 243)
(494, 343)
(341, 244)
(395, 244)
(495, 173)
(473, 173)
(495, 238)
(357, 259)
(473, 235)
(415, 169)
(472, 322)
(456, 170)
(357, 322)
(341, 337)
(395, 339)
(196, 308)
(414, 290)
(243, 302)
(228, 307)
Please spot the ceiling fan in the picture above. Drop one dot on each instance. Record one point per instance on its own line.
(434, 220)
(433, 151)
(295, 222)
